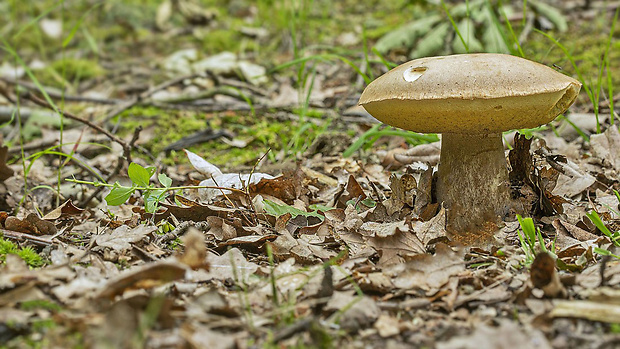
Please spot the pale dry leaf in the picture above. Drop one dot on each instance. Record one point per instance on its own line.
(507, 334)
(430, 272)
(394, 241)
(195, 250)
(198, 336)
(121, 238)
(230, 265)
(594, 311)
(606, 146)
(387, 326)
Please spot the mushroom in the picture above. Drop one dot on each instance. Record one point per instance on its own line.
(471, 99)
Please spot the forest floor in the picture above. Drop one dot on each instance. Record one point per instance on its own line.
(186, 174)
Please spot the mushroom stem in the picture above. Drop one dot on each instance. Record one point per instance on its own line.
(473, 180)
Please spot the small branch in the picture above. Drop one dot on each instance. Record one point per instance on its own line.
(139, 98)
(31, 97)
(14, 235)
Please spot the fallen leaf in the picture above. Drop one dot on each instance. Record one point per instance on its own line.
(148, 276)
(430, 272)
(195, 252)
(121, 238)
(486, 337)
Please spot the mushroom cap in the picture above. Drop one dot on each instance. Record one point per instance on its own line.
(469, 94)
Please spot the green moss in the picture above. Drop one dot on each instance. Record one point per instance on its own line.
(28, 254)
(170, 126)
(221, 40)
(40, 304)
(68, 70)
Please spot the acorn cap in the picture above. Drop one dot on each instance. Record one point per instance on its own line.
(469, 94)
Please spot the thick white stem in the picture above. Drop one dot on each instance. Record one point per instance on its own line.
(473, 181)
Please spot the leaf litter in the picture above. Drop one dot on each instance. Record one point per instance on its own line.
(324, 251)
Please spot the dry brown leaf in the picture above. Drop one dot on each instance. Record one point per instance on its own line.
(65, 210)
(606, 146)
(545, 276)
(32, 224)
(147, 276)
(394, 241)
(403, 193)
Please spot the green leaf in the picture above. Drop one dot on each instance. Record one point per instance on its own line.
(431, 43)
(119, 194)
(552, 14)
(152, 198)
(278, 210)
(469, 44)
(594, 217)
(164, 180)
(406, 35)
(139, 175)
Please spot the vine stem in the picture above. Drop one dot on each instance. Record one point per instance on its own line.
(101, 184)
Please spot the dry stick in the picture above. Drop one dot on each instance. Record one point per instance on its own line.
(25, 237)
(39, 101)
(128, 104)
(126, 146)
(60, 95)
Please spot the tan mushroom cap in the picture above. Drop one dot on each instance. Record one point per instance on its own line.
(469, 94)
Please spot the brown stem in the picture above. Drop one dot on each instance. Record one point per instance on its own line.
(473, 181)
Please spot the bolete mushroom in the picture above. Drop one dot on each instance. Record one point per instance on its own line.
(471, 99)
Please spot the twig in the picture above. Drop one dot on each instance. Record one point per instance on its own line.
(25, 237)
(54, 93)
(39, 101)
(128, 104)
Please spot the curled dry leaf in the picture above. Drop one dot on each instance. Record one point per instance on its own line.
(545, 276)
(151, 275)
(32, 224)
(403, 193)
(426, 153)
(606, 146)
(67, 209)
(195, 252)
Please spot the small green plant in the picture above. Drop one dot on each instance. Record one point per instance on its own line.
(140, 178)
(469, 26)
(28, 254)
(613, 236)
(531, 240)
(368, 138)
(278, 210)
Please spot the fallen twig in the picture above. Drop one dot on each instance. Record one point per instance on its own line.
(14, 235)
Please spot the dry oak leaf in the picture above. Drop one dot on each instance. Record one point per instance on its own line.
(430, 272)
(32, 224)
(121, 238)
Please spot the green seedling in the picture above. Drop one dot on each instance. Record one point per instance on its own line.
(278, 210)
(368, 138)
(140, 178)
(531, 240)
(613, 236)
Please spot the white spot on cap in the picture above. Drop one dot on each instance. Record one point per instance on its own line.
(412, 74)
